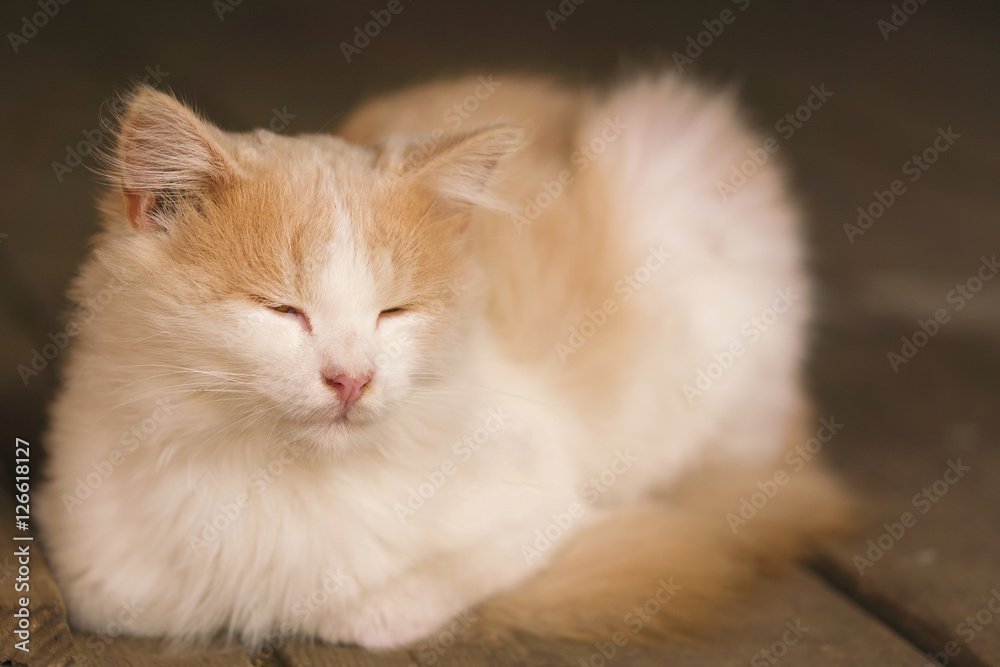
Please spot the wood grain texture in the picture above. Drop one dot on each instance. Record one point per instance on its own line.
(928, 555)
(798, 618)
(124, 651)
(314, 654)
(890, 96)
(50, 642)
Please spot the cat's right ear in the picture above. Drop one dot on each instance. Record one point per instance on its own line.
(460, 170)
(164, 153)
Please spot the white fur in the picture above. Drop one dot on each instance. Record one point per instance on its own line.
(319, 548)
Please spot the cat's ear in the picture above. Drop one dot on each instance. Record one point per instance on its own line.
(460, 170)
(164, 153)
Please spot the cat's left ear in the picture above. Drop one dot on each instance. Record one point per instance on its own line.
(164, 153)
(460, 170)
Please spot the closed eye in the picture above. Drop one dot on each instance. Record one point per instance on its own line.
(290, 311)
(391, 312)
(284, 310)
(274, 305)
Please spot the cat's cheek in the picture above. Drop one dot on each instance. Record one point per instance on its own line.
(282, 355)
(394, 346)
(394, 384)
(251, 332)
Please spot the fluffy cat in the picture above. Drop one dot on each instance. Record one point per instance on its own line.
(498, 345)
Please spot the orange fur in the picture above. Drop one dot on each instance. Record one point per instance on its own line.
(403, 212)
(685, 540)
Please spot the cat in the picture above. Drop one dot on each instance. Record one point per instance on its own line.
(498, 347)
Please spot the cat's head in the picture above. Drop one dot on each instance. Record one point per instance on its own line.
(317, 284)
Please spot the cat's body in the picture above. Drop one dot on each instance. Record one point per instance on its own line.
(545, 378)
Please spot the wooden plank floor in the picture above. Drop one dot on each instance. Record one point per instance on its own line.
(799, 620)
(920, 444)
(924, 454)
(915, 594)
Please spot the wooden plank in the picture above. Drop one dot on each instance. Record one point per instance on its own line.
(922, 448)
(898, 439)
(821, 628)
(50, 642)
(796, 620)
(124, 651)
(317, 654)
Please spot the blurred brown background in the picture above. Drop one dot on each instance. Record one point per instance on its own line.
(246, 62)
(901, 74)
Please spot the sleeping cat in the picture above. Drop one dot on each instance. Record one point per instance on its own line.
(515, 355)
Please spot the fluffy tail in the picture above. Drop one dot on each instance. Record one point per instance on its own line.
(667, 569)
(659, 147)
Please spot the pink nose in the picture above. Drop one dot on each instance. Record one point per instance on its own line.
(349, 388)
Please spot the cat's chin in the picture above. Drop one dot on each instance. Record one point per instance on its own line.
(335, 418)
(341, 431)
(347, 422)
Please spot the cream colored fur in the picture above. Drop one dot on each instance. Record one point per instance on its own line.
(506, 456)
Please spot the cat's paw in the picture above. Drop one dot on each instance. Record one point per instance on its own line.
(387, 623)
